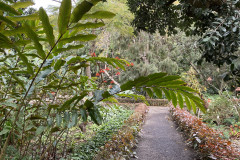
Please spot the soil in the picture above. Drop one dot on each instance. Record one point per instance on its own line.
(160, 140)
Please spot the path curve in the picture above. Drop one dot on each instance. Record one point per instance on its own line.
(160, 140)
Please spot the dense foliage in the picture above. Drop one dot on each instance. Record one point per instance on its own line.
(104, 133)
(45, 90)
(216, 21)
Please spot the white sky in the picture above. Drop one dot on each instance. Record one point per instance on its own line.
(44, 3)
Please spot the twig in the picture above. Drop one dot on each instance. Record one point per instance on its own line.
(111, 78)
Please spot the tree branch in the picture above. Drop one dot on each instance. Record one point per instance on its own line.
(111, 78)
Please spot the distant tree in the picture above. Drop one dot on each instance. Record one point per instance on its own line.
(216, 21)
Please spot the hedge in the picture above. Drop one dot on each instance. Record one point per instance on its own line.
(207, 140)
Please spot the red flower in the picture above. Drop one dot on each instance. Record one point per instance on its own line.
(131, 64)
(93, 54)
(128, 64)
(105, 81)
(97, 74)
(101, 71)
(110, 86)
(118, 73)
(112, 82)
(107, 69)
(117, 58)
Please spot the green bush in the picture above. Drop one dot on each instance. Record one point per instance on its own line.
(221, 111)
(113, 123)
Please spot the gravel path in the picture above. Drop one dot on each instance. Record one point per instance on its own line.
(160, 140)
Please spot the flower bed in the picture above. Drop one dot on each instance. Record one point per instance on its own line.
(207, 140)
(99, 135)
(123, 141)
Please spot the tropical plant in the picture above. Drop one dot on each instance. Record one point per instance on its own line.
(44, 92)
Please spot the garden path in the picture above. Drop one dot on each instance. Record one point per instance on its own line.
(160, 140)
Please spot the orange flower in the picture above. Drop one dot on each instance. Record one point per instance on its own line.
(110, 86)
(117, 58)
(118, 73)
(107, 69)
(105, 81)
(97, 74)
(93, 54)
(131, 64)
(128, 64)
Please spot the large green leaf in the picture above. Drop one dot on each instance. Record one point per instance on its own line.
(82, 26)
(33, 36)
(7, 8)
(193, 106)
(64, 16)
(26, 4)
(14, 31)
(66, 104)
(99, 15)
(149, 92)
(25, 60)
(70, 47)
(24, 18)
(174, 82)
(95, 115)
(180, 100)
(83, 114)
(158, 92)
(59, 64)
(80, 10)
(163, 79)
(8, 21)
(5, 42)
(48, 29)
(187, 103)
(183, 88)
(80, 37)
(174, 98)
(167, 94)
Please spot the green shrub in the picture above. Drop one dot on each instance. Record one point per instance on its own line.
(220, 111)
(87, 150)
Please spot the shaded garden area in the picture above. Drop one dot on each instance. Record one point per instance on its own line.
(73, 75)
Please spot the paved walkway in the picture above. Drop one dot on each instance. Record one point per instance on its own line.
(160, 140)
